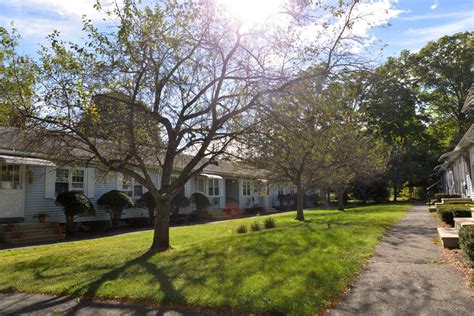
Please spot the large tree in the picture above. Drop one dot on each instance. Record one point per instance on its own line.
(444, 71)
(188, 67)
(17, 77)
(293, 140)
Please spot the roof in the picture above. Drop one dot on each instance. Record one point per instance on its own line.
(469, 103)
(28, 143)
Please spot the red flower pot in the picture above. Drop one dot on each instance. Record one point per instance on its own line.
(42, 218)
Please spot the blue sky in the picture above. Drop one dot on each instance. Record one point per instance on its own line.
(413, 22)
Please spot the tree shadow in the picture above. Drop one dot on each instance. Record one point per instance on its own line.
(171, 295)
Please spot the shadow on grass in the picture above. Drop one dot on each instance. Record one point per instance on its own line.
(171, 295)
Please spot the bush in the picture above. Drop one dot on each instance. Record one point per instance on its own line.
(255, 210)
(439, 196)
(269, 223)
(201, 201)
(365, 189)
(98, 226)
(255, 227)
(74, 203)
(137, 222)
(242, 229)
(114, 202)
(466, 242)
(448, 212)
(148, 201)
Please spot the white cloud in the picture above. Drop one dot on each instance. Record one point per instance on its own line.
(35, 19)
(418, 37)
(434, 6)
(436, 16)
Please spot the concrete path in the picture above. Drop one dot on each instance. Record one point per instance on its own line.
(39, 304)
(407, 277)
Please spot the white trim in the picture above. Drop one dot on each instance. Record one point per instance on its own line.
(211, 176)
(15, 160)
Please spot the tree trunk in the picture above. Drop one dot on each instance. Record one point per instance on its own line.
(70, 225)
(299, 204)
(340, 197)
(329, 196)
(395, 193)
(151, 215)
(324, 196)
(161, 236)
(411, 190)
(116, 214)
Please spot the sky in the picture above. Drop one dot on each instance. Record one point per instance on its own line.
(399, 25)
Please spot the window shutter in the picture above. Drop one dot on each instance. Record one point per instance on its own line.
(221, 187)
(50, 183)
(90, 182)
(187, 189)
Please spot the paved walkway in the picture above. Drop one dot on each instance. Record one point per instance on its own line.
(39, 304)
(406, 276)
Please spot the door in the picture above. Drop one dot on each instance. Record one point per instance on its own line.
(11, 192)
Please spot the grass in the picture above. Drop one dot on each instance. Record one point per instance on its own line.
(296, 268)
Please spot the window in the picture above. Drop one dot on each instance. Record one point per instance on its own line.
(246, 187)
(10, 177)
(213, 185)
(201, 185)
(69, 180)
(132, 187)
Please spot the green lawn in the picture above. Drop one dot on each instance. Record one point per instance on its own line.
(296, 268)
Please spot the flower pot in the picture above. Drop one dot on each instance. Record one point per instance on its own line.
(8, 228)
(42, 219)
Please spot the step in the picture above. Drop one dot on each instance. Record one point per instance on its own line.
(462, 221)
(432, 208)
(32, 234)
(449, 237)
(456, 200)
(36, 239)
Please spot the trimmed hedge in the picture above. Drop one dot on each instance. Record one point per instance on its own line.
(448, 212)
(439, 196)
(466, 242)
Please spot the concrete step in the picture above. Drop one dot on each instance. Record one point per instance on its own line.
(462, 221)
(432, 208)
(35, 240)
(449, 237)
(456, 201)
(32, 234)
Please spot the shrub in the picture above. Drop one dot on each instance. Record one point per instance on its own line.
(98, 226)
(269, 223)
(148, 201)
(255, 210)
(242, 229)
(466, 242)
(439, 196)
(255, 226)
(180, 200)
(114, 202)
(447, 212)
(74, 203)
(201, 201)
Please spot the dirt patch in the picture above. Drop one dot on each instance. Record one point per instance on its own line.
(456, 258)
